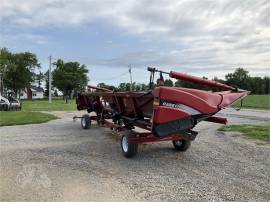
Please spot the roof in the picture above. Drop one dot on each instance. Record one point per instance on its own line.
(37, 89)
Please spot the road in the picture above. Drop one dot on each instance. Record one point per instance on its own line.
(58, 161)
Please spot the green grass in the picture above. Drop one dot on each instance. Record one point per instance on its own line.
(44, 105)
(10, 118)
(260, 132)
(256, 101)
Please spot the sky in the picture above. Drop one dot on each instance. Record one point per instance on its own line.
(203, 37)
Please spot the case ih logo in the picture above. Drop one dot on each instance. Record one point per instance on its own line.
(182, 107)
(170, 104)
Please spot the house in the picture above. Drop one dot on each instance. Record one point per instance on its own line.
(32, 93)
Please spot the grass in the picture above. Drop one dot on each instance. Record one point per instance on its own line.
(30, 114)
(44, 105)
(10, 118)
(260, 132)
(256, 101)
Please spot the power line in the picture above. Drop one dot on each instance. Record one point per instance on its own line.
(111, 78)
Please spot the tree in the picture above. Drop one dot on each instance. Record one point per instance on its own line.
(55, 93)
(239, 78)
(218, 80)
(122, 87)
(128, 87)
(168, 82)
(46, 77)
(4, 60)
(39, 78)
(69, 77)
(267, 85)
(144, 87)
(19, 69)
(256, 85)
(138, 87)
(187, 84)
(178, 83)
(110, 87)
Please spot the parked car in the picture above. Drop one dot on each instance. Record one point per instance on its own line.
(15, 104)
(4, 104)
(9, 104)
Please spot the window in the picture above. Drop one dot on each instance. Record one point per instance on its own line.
(21, 94)
(34, 94)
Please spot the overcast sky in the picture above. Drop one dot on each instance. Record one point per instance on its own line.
(203, 38)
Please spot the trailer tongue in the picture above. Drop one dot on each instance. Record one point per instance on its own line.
(165, 113)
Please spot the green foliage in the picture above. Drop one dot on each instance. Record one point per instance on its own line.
(70, 76)
(22, 117)
(110, 87)
(168, 82)
(39, 78)
(241, 79)
(46, 77)
(18, 69)
(125, 86)
(4, 59)
(186, 84)
(122, 87)
(55, 93)
(128, 86)
(238, 79)
(261, 132)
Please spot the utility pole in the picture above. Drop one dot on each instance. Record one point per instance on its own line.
(130, 75)
(1, 83)
(50, 80)
(2, 80)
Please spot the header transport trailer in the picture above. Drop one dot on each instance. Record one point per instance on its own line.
(160, 114)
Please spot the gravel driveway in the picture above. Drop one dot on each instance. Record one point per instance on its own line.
(58, 161)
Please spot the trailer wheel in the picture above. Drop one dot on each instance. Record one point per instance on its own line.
(128, 150)
(86, 121)
(5, 107)
(181, 145)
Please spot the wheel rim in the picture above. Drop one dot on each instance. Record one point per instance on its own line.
(125, 144)
(83, 122)
(179, 142)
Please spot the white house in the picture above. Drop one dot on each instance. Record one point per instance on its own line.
(32, 93)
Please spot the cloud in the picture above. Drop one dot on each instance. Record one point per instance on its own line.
(202, 34)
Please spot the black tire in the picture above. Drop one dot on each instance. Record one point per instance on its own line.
(86, 121)
(5, 107)
(181, 145)
(128, 150)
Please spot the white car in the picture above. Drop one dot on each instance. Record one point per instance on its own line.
(9, 104)
(4, 104)
(14, 104)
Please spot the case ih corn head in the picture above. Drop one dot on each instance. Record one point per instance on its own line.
(160, 114)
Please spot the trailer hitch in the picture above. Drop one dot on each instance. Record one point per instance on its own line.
(76, 117)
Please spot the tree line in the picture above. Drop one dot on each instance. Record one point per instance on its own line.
(20, 70)
(240, 78)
